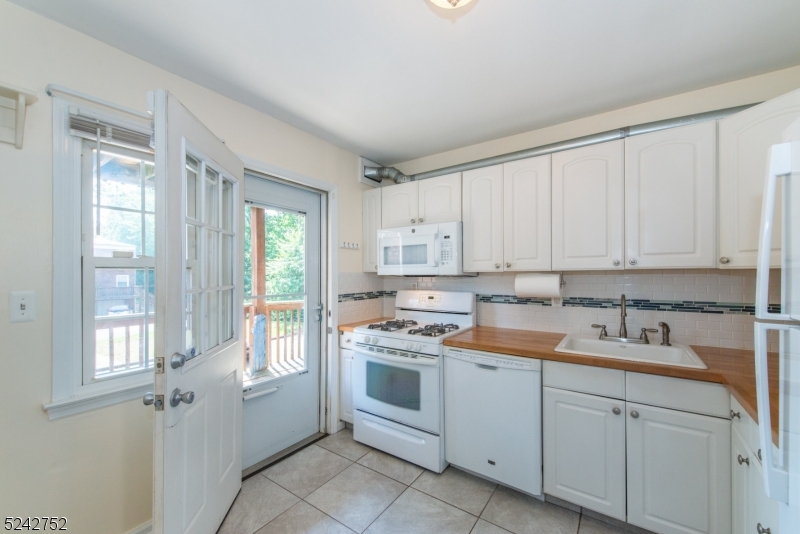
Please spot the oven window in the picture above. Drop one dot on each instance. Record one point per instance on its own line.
(405, 255)
(393, 385)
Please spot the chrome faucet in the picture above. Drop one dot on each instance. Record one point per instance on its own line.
(623, 330)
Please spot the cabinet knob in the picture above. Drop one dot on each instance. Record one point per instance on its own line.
(635, 414)
(632, 261)
(508, 264)
(616, 263)
(724, 260)
(616, 411)
(413, 221)
(736, 415)
(743, 460)
(496, 265)
(762, 530)
(420, 219)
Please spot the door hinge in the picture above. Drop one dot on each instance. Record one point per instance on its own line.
(159, 365)
(158, 403)
(330, 330)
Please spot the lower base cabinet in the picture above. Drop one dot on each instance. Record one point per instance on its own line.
(346, 385)
(753, 511)
(679, 478)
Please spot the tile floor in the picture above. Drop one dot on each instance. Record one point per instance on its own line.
(339, 486)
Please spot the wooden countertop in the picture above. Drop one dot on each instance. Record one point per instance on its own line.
(733, 368)
(349, 327)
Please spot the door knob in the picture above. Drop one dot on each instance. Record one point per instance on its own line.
(724, 260)
(616, 263)
(177, 397)
(177, 360)
(743, 460)
(632, 261)
(635, 414)
(616, 411)
(149, 398)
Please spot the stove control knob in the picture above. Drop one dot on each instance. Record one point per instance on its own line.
(366, 339)
(418, 347)
(408, 345)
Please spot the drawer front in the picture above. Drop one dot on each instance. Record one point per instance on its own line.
(346, 340)
(678, 394)
(745, 426)
(584, 379)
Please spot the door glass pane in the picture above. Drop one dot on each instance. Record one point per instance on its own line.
(394, 385)
(227, 315)
(212, 259)
(120, 184)
(227, 205)
(192, 267)
(117, 233)
(192, 191)
(212, 196)
(211, 322)
(227, 260)
(192, 325)
(124, 321)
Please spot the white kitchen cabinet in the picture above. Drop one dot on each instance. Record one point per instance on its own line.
(440, 199)
(744, 142)
(526, 211)
(584, 450)
(370, 224)
(761, 509)
(346, 385)
(482, 209)
(588, 193)
(399, 205)
(431, 201)
(670, 198)
(741, 467)
(678, 471)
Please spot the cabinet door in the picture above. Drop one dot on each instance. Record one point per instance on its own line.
(584, 450)
(762, 510)
(587, 207)
(741, 469)
(483, 219)
(440, 199)
(744, 142)
(670, 198)
(526, 210)
(370, 224)
(399, 205)
(346, 385)
(679, 475)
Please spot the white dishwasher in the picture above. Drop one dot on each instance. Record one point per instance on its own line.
(493, 416)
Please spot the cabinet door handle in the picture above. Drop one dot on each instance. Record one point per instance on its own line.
(508, 264)
(736, 415)
(496, 265)
(616, 411)
(762, 530)
(413, 221)
(724, 260)
(743, 460)
(616, 263)
(635, 414)
(632, 261)
(420, 219)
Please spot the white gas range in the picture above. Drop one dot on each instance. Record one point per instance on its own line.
(398, 378)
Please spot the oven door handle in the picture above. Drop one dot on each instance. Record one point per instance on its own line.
(429, 362)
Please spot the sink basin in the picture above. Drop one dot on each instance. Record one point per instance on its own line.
(676, 355)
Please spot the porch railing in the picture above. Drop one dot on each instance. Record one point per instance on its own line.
(283, 338)
(121, 342)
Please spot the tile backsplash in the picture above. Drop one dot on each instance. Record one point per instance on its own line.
(702, 306)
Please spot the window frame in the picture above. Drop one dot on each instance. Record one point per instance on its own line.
(71, 393)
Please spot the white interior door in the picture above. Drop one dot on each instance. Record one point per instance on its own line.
(198, 381)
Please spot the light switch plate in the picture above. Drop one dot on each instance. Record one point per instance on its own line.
(22, 306)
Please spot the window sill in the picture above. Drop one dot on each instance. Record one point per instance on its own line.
(87, 402)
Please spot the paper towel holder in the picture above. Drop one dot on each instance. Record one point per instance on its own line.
(559, 302)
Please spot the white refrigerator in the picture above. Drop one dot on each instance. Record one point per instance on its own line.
(781, 467)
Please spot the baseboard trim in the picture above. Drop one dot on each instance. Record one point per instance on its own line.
(145, 528)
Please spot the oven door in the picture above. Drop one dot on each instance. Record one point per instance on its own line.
(399, 388)
(408, 251)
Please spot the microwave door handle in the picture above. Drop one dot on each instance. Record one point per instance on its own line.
(437, 251)
(776, 479)
(780, 164)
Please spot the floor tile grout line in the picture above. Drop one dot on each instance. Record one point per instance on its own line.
(451, 504)
(326, 514)
(384, 510)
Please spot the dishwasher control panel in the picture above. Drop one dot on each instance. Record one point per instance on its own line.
(493, 361)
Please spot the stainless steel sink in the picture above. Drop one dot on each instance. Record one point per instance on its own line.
(676, 355)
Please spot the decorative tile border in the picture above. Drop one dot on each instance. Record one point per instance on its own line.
(366, 295)
(686, 306)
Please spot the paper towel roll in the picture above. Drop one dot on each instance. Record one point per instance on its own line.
(538, 285)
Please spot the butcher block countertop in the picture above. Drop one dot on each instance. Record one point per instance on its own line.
(733, 368)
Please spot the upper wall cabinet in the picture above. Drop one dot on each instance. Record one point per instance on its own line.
(588, 207)
(399, 205)
(670, 198)
(430, 201)
(440, 199)
(526, 212)
(744, 142)
(370, 224)
(483, 219)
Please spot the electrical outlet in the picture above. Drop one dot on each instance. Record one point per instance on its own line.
(349, 244)
(22, 306)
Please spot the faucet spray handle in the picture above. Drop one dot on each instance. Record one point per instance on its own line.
(665, 334)
(602, 328)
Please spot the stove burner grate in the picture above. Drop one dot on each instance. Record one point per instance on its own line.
(391, 326)
(433, 330)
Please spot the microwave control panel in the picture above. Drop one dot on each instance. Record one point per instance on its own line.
(447, 250)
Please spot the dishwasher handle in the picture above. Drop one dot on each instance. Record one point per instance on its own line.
(486, 367)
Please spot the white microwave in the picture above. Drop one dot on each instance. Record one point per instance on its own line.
(425, 250)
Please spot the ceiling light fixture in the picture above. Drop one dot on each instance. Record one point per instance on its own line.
(450, 4)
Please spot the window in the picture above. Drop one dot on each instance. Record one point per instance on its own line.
(103, 254)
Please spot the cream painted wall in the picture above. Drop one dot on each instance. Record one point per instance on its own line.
(95, 468)
(736, 93)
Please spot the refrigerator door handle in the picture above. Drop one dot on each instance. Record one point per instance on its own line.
(780, 164)
(776, 478)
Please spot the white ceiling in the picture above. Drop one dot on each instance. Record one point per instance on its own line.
(399, 79)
